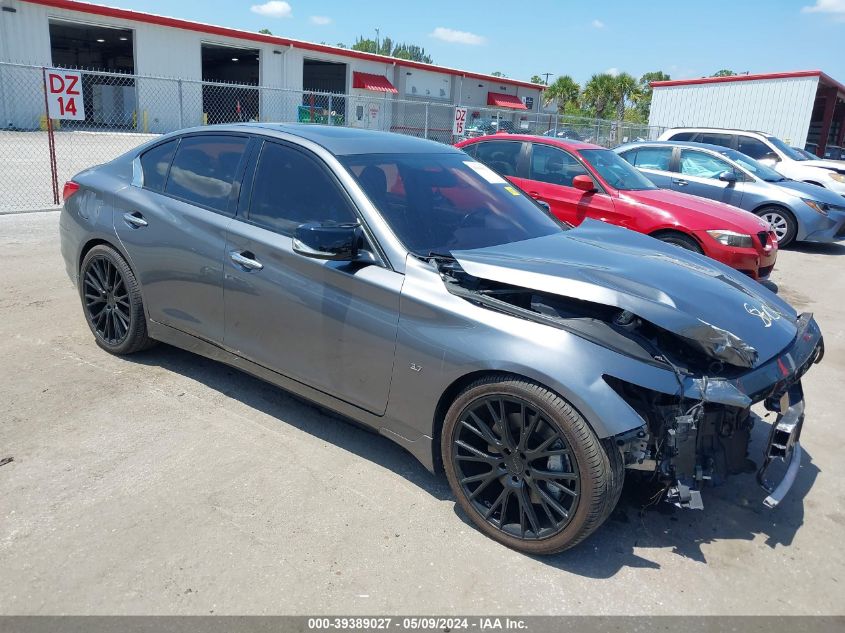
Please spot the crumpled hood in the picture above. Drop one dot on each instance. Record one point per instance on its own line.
(685, 293)
(703, 213)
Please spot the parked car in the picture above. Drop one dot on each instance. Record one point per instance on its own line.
(564, 132)
(770, 151)
(580, 181)
(400, 283)
(795, 210)
(832, 152)
(482, 127)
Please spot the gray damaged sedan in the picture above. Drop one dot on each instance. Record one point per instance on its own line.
(796, 211)
(400, 283)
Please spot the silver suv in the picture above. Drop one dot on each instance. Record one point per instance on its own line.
(770, 151)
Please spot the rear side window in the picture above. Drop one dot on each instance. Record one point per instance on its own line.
(715, 139)
(155, 163)
(752, 147)
(500, 156)
(658, 158)
(291, 188)
(204, 169)
(683, 136)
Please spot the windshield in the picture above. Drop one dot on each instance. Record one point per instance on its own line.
(749, 164)
(616, 171)
(786, 149)
(436, 203)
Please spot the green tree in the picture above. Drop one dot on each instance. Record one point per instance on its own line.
(564, 90)
(387, 47)
(537, 79)
(498, 73)
(599, 94)
(723, 73)
(643, 102)
(266, 32)
(625, 91)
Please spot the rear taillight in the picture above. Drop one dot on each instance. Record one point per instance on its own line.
(70, 189)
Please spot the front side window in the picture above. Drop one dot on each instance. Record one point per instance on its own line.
(291, 188)
(204, 169)
(752, 147)
(155, 163)
(701, 165)
(658, 158)
(785, 149)
(500, 156)
(616, 171)
(761, 171)
(554, 166)
(436, 203)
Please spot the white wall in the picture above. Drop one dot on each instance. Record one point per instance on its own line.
(782, 107)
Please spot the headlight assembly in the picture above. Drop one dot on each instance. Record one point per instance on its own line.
(732, 238)
(815, 205)
(837, 176)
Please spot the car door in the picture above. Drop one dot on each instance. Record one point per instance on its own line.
(654, 162)
(330, 325)
(550, 174)
(503, 157)
(701, 174)
(173, 227)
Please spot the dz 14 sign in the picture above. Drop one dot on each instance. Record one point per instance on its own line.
(64, 95)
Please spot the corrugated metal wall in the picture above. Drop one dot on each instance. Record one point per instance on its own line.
(782, 107)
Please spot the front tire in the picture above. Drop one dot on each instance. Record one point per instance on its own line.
(782, 222)
(111, 301)
(680, 240)
(526, 467)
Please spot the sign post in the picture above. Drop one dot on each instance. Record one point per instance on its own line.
(459, 123)
(62, 100)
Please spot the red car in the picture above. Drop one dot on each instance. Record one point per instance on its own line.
(579, 180)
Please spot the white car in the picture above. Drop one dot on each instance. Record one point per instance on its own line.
(770, 151)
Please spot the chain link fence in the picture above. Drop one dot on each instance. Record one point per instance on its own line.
(122, 111)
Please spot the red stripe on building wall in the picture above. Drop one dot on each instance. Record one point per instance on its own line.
(199, 27)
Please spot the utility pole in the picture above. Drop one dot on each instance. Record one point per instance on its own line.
(378, 45)
(547, 75)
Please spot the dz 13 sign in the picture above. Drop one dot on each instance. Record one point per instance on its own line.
(64, 95)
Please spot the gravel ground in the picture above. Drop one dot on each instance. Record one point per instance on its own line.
(168, 484)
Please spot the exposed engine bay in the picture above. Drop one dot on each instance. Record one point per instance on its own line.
(687, 440)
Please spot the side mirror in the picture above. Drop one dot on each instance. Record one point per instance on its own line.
(584, 183)
(337, 242)
(728, 176)
(769, 160)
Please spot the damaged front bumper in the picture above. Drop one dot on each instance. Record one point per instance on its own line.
(703, 431)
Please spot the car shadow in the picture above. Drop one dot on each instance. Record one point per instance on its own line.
(297, 412)
(733, 511)
(813, 248)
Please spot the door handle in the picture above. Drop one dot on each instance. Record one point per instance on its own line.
(534, 195)
(245, 260)
(679, 181)
(135, 220)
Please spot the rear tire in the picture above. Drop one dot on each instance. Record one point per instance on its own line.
(558, 480)
(680, 240)
(783, 224)
(111, 301)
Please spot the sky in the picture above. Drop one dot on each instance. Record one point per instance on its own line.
(578, 38)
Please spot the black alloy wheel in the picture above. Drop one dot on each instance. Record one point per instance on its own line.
(111, 300)
(526, 467)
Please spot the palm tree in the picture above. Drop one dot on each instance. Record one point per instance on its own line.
(599, 93)
(625, 88)
(564, 90)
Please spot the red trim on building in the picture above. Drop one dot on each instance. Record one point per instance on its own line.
(505, 101)
(367, 81)
(199, 27)
(823, 77)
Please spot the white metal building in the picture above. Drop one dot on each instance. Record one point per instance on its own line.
(65, 33)
(802, 108)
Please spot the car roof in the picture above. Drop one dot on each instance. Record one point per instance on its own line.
(721, 149)
(531, 138)
(339, 140)
(729, 130)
